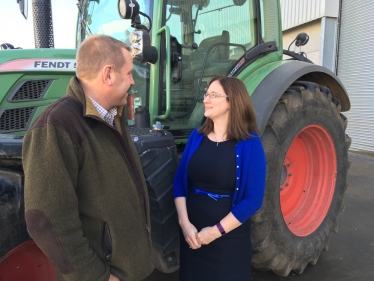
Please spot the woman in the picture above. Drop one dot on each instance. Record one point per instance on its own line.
(219, 185)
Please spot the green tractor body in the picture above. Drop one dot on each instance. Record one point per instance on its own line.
(298, 107)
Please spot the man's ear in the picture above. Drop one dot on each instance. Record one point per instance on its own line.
(108, 75)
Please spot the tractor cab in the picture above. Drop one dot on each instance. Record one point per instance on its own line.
(196, 40)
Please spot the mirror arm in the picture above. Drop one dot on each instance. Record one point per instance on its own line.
(149, 19)
(135, 23)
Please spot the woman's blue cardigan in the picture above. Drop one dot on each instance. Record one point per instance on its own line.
(250, 174)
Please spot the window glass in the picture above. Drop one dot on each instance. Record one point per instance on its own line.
(222, 15)
(270, 20)
(223, 32)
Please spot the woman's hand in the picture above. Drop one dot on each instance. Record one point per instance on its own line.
(189, 232)
(113, 278)
(188, 229)
(207, 235)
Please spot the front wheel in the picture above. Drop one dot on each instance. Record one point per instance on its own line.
(307, 156)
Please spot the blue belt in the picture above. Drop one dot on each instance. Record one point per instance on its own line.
(214, 196)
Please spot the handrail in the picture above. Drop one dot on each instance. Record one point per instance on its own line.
(166, 29)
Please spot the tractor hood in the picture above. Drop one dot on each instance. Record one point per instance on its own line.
(37, 60)
(31, 80)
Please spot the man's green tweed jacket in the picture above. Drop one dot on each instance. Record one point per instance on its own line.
(85, 196)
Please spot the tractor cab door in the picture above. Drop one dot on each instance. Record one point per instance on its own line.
(207, 39)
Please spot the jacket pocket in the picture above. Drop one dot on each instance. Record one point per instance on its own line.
(106, 242)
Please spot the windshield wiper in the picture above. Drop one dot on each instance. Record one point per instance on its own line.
(218, 9)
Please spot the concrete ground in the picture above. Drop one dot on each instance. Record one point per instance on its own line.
(351, 253)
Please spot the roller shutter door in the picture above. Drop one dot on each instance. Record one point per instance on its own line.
(356, 70)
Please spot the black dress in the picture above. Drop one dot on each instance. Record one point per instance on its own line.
(228, 258)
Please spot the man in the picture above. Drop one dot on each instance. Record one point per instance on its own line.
(85, 196)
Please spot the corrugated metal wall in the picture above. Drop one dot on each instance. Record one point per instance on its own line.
(297, 12)
(356, 70)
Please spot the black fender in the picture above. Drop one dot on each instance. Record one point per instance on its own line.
(272, 87)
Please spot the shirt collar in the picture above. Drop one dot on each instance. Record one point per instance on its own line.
(107, 115)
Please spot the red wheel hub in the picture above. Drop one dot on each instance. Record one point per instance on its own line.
(308, 180)
(27, 263)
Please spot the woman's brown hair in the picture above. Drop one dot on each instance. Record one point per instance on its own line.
(242, 118)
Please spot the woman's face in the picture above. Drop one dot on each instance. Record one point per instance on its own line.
(216, 104)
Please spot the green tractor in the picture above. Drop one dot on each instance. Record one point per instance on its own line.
(178, 47)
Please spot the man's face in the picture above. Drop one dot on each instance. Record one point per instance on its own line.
(123, 81)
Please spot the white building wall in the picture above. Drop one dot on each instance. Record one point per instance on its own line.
(298, 12)
(317, 18)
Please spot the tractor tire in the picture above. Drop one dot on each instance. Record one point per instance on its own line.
(13, 230)
(307, 162)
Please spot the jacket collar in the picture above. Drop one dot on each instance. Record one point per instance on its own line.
(76, 92)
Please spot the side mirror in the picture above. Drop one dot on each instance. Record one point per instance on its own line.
(141, 47)
(203, 3)
(23, 7)
(239, 2)
(128, 9)
(6, 46)
(301, 39)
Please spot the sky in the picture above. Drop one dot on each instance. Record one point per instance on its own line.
(19, 32)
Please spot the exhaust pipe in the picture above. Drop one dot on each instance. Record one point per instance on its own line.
(43, 24)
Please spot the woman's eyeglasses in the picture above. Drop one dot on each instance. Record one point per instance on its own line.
(213, 95)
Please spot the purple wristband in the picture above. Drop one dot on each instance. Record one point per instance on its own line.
(220, 228)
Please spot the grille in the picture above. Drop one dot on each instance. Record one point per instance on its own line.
(15, 119)
(31, 90)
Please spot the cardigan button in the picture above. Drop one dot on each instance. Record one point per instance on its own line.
(237, 188)
(237, 166)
